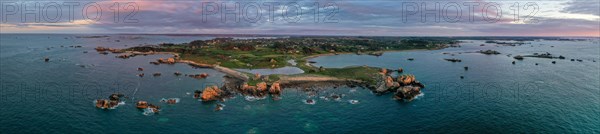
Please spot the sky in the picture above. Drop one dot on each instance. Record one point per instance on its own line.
(304, 17)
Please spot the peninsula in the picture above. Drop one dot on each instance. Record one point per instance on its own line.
(227, 54)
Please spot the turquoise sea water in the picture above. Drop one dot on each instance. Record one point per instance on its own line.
(494, 96)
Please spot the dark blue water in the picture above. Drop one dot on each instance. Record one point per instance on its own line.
(494, 96)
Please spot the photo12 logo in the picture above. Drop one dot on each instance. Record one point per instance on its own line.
(252, 12)
(129, 12)
(54, 12)
(469, 12)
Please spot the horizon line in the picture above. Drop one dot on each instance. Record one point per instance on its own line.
(335, 35)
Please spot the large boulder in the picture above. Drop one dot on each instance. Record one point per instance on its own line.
(115, 97)
(261, 87)
(383, 71)
(170, 61)
(211, 93)
(389, 82)
(407, 93)
(406, 79)
(275, 88)
(142, 104)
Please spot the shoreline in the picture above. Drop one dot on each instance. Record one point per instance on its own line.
(376, 79)
(347, 53)
(344, 53)
(284, 78)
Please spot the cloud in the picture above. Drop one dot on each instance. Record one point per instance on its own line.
(583, 7)
(564, 18)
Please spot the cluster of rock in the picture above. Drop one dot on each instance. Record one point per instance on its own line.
(146, 105)
(261, 89)
(112, 101)
(211, 93)
(405, 87)
(376, 54)
(102, 50)
(163, 61)
(545, 55)
(453, 60)
(538, 55)
(489, 52)
(167, 61)
(198, 76)
(125, 56)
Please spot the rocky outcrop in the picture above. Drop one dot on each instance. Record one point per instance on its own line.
(453, 60)
(101, 49)
(518, 57)
(171, 60)
(390, 83)
(199, 76)
(197, 94)
(407, 93)
(156, 74)
(489, 52)
(275, 88)
(113, 101)
(261, 87)
(154, 108)
(104, 49)
(142, 104)
(406, 79)
(405, 87)
(124, 56)
(211, 93)
(115, 97)
(102, 103)
(383, 71)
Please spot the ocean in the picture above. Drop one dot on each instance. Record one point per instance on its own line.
(495, 95)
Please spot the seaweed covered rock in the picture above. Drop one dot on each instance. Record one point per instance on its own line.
(453, 60)
(199, 76)
(211, 93)
(115, 97)
(489, 52)
(197, 94)
(518, 57)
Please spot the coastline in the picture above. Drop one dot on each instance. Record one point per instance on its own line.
(285, 79)
(376, 79)
(346, 53)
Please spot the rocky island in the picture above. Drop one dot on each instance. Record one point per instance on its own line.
(223, 54)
